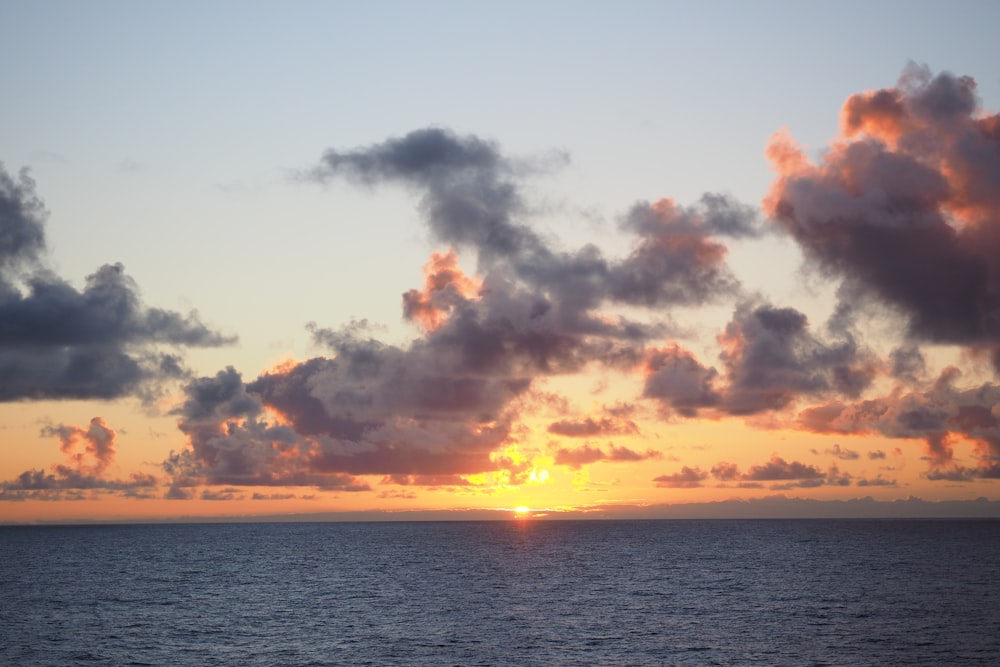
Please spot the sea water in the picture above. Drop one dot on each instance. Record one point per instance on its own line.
(525, 592)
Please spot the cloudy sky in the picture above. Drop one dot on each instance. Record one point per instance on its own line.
(565, 256)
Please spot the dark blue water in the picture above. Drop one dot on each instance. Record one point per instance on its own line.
(503, 593)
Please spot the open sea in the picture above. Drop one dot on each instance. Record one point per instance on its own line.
(770, 592)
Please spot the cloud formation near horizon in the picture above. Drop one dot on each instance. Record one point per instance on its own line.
(89, 452)
(902, 212)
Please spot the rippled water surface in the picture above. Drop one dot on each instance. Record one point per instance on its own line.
(503, 593)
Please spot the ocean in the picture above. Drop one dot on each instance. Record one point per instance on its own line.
(528, 592)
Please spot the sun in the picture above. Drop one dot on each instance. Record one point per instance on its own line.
(522, 512)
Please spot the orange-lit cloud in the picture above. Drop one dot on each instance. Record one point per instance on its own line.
(89, 452)
(905, 209)
(445, 287)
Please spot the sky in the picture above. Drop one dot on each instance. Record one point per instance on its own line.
(450, 259)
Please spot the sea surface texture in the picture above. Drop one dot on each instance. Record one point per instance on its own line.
(503, 593)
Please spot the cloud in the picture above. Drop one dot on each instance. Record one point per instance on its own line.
(904, 208)
(842, 453)
(771, 359)
(426, 480)
(779, 469)
(588, 454)
(447, 286)
(272, 496)
(222, 494)
(58, 342)
(232, 443)
(687, 478)
(676, 259)
(472, 198)
(876, 481)
(89, 452)
(470, 194)
(676, 379)
(614, 423)
(98, 442)
(781, 474)
(938, 414)
(64, 483)
(22, 237)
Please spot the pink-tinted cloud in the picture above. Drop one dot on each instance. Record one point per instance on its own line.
(588, 427)
(91, 449)
(779, 469)
(938, 415)
(586, 454)
(687, 478)
(426, 480)
(89, 452)
(61, 342)
(905, 209)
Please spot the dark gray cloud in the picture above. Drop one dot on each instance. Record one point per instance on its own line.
(778, 473)
(470, 194)
(472, 198)
(680, 382)
(770, 359)
(65, 483)
(842, 453)
(907, 363)
(22, 236)
(535, 312)
(60, 342)
(876, 481)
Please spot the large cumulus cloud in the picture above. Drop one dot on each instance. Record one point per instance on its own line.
(905, 209)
